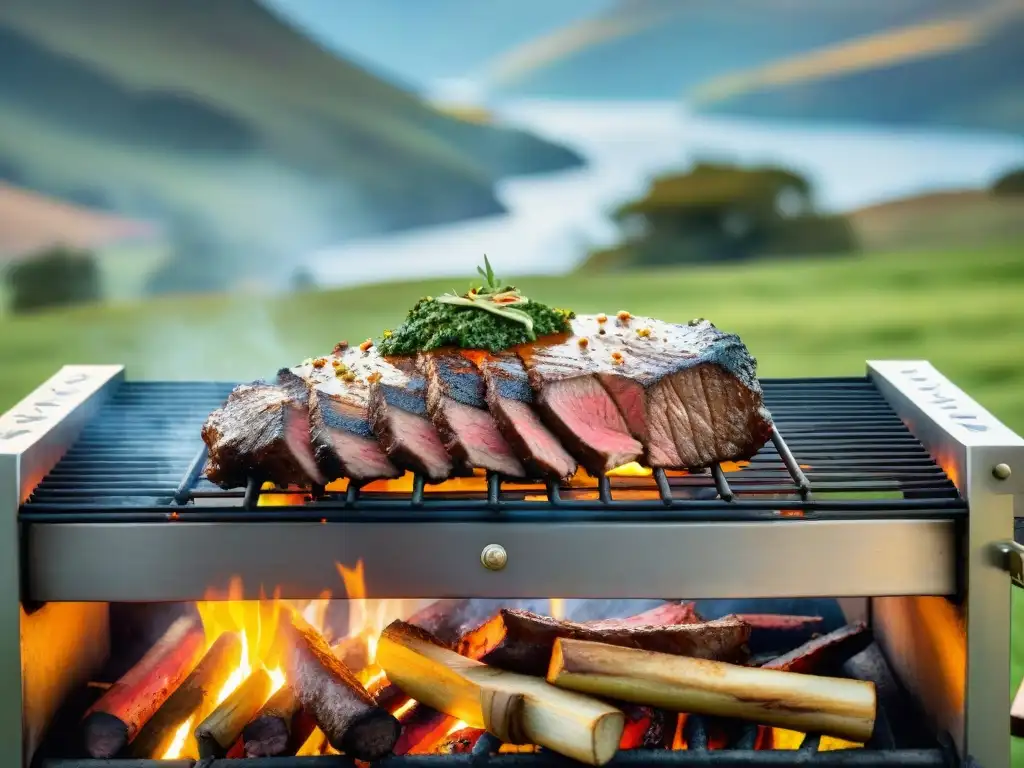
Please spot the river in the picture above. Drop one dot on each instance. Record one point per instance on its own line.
(553, 219)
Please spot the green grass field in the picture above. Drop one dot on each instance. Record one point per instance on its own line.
(963, 310)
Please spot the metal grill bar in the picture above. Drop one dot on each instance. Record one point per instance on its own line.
(838, 451)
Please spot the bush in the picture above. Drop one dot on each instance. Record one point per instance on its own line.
(56, 277)
(1010, 184)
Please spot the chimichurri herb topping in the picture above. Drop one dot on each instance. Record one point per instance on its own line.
(491, 316)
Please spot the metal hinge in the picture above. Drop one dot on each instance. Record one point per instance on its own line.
(1013, 561)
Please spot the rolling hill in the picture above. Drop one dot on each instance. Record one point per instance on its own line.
(964, 74)
(663, 49)
(225, 118)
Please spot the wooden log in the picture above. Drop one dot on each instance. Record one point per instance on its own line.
(279, 727)
(118, 716)
(826, 705)
(777, 632)
(660, 616)
(443, 619)
(521, 641)
(194, 699)
(219, 732)
(516, 708)
(331, 694)
(826, 653)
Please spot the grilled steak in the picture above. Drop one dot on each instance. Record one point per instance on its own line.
(397, 411)
(576, 406)
(261, 432)
(339, 427)
(689, 393)
(510, 400)
(455, 401)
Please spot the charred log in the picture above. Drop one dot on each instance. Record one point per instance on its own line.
(330, 693)
(115, 720)
(521, 641)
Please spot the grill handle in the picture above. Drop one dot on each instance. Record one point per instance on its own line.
(1012, 555)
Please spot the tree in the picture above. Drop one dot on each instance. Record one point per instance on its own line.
(55, 277)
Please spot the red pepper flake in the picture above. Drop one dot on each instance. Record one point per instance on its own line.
(340, 347)
(583, 341)
(319, 362)
(365, 346)
(374, 377)
(616, 358)
(623, 316)
(602, 318)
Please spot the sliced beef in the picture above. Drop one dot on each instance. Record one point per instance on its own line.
(510, 401)
(370, 441)
(339, 423)
(689, 393)
(396, 394)
(339, 426)
(263, 432)
(577, 407)
(456, 404)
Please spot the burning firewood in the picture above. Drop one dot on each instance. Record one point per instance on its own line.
(192, 701)
(113, 721)
(330, 693)
(279, 726)
(826, 705)
(516, 708)
(219, 732)
(774, 632)
(824, 653)
(521, 641)
(661, 616)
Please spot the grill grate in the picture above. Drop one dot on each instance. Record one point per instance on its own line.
(838, 451)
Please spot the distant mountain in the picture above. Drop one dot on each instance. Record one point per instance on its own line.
(223, 116)
(954, 219)
(423, 41)
(662, 49)
(967, 74)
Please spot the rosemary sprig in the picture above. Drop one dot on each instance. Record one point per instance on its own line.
(493, 297)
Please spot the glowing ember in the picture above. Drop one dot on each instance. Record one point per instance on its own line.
(458, 725)
(403, 710)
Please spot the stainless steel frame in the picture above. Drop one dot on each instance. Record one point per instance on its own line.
(33, 436)
(122, 562)
(986, 461)
(957, 663)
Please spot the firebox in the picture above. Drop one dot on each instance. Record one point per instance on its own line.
(841, 599)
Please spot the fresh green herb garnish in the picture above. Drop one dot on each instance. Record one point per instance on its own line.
(491, 316)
